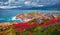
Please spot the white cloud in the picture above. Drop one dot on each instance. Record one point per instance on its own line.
(22, 0)
(34, 3)
(40, 5)
(19, 3)
(28, 3)
(8, 7)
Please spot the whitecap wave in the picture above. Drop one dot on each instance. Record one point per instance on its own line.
(13, 18)
(17, 20)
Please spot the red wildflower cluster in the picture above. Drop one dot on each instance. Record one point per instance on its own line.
(24, 25)
(28, 26)
(53, 21)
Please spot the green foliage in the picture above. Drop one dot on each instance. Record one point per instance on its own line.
(52, 30)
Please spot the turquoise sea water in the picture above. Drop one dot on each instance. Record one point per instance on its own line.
(7, 15)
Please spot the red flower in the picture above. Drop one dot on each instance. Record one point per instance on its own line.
(46, 23)
(25, 25)
(58, 20)
(53, 21)
(19, 25)
(33, 25)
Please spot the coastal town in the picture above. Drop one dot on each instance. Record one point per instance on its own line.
(34, 15)
(31, 20)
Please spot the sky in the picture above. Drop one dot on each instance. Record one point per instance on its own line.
(30, 3)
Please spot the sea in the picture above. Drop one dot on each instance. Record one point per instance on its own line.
(6, 15)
